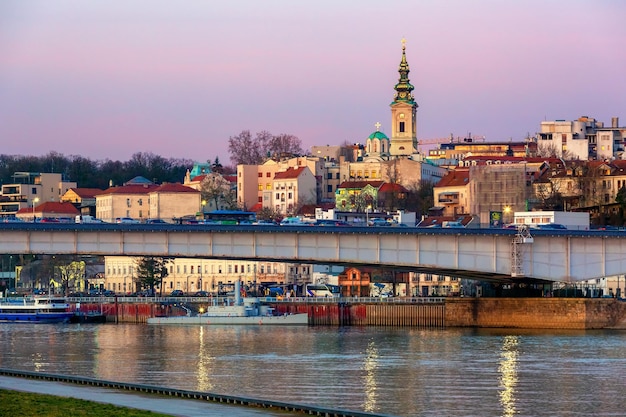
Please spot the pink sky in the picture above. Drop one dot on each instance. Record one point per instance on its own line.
(106, 79)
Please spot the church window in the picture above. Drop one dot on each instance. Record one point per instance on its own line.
(401, 127)
(375, 147)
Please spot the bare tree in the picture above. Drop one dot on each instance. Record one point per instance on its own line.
(420, 198)
(246, 150)
(214, 190)
(285, 144)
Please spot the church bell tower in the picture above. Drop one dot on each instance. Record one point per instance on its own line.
(403, 113)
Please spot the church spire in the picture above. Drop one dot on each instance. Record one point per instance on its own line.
(404, 88)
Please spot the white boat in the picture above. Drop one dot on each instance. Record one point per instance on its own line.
(250, 311)
(37, 309)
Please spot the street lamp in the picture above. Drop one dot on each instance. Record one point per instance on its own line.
(367, 215)
(506, 215)
(35, 201)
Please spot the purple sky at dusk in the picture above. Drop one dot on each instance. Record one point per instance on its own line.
(106, 79)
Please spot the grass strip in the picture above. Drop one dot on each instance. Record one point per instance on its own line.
(27, 404)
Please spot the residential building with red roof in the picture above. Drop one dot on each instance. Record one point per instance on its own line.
(292, 188)
(143, 201)
(49, 210)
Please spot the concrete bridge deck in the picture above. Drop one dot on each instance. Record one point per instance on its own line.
(484, 254)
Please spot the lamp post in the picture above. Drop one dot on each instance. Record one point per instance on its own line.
(367, 215)
(203, 203)
(35, 201)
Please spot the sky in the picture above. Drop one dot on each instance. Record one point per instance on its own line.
(106, 79)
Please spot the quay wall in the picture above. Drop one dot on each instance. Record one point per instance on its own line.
(536, 313)
(529, 313)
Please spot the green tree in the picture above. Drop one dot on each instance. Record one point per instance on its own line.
(150, 272)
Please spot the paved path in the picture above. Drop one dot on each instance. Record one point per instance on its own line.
(173, 406)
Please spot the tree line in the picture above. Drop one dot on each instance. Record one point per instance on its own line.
(243, 148)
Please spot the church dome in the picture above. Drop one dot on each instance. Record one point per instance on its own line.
(378, 135)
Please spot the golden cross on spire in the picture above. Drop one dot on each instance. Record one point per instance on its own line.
(377, 124)
(403, 43)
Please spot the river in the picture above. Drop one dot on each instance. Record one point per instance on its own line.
(397, 371)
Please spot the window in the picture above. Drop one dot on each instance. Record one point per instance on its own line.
(401, 128)
(329, 188)
(128, 202)
(140, 201)
(268, 175)
(260, 175)
(260, 187)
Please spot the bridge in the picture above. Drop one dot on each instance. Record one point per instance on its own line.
(482, 254)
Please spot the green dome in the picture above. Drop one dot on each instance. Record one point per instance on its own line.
(378, 135)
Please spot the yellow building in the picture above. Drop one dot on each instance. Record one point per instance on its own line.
(210, 275)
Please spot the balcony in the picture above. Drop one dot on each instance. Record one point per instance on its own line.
(448, 198)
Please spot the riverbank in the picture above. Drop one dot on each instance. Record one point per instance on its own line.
(166, 401)
(533, 313)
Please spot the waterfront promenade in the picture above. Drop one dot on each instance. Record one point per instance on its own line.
(159, 399)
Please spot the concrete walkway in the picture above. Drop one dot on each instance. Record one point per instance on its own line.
(172, 406)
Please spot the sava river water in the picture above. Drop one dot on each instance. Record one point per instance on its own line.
(397, 371)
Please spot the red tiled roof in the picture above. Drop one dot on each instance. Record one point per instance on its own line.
(257, 207)
(361, 184)
(456, 178)
(290, 173)
(174, 188)
(395, 188)
(51, 207)
(86, 192)
(198, 178)
(130, 189)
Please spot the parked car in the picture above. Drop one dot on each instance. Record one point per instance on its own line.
(177, 293)
(551, 226)
(155, 221)
(331, 222)
(378, 222)
(126, 220)
(201, 294)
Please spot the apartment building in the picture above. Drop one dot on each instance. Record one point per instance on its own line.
(210, 275)
(29, 189)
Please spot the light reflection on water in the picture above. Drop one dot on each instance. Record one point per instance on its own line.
(405, 372)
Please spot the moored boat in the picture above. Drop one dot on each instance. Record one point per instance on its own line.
(36, 309)
(250, 311)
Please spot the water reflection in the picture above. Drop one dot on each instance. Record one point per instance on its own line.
(403, 372)
(370, 366)
(205, 361)
(508, 375)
